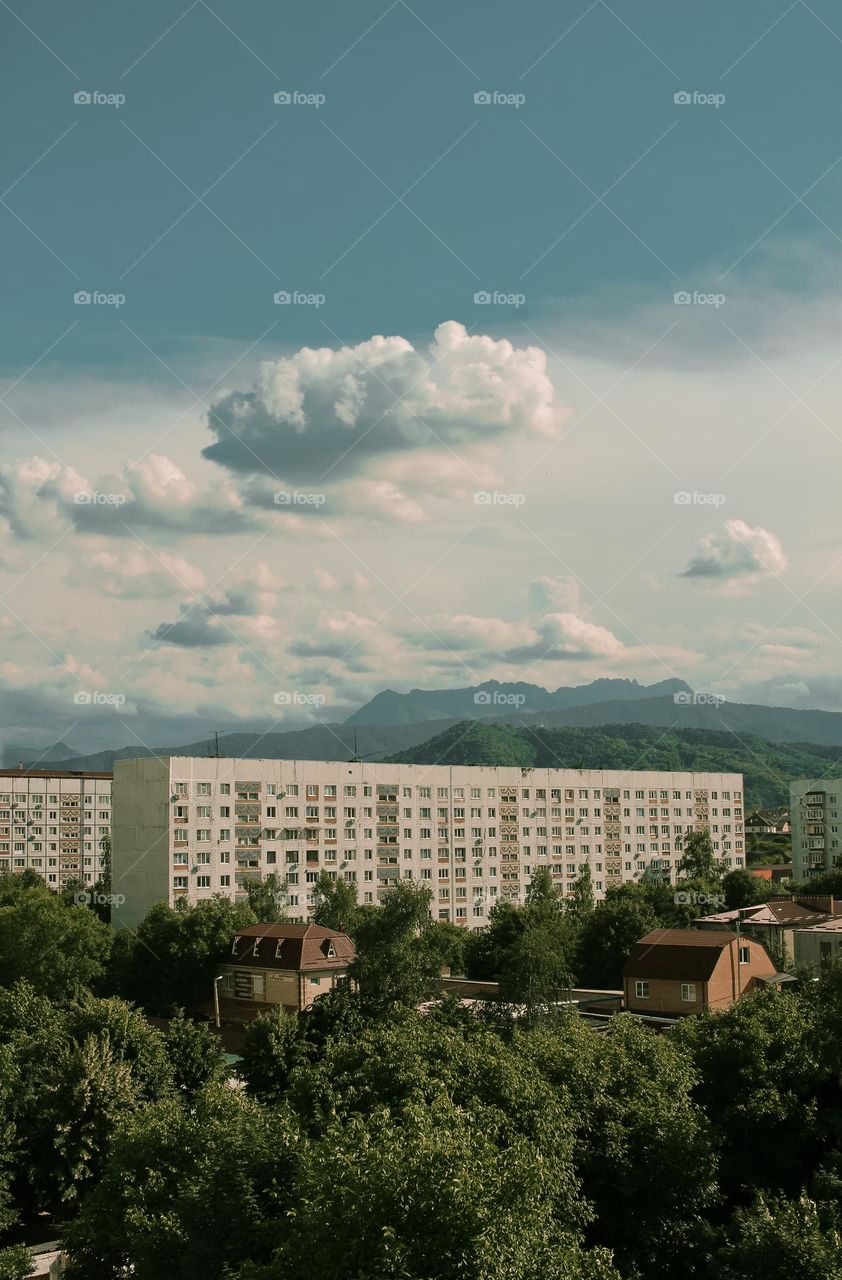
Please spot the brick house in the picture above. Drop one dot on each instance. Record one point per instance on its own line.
(281, 964)
(674, 972)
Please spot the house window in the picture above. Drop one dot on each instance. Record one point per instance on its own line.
(688, 991)
(745, 955)
(641, 990)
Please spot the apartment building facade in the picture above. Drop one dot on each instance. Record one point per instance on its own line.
(816, 826)
(53, 822)
(193, 827)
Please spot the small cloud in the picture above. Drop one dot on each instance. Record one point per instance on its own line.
(737, 554)
(137, 574)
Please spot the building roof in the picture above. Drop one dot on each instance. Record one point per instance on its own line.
(683, 954)
(784, 913)
(291, 946)
(824, 926)
(774, 816)
(53, 773)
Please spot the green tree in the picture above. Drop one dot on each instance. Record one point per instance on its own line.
(536, 970)
(131, 1038)
(783, 1239)
(485, 950)
(69, 1073)
(272, 1047)
(170, 960)
(742, 889)
(542, 899)
(15, 1263)
(448, 1149)
(429, 1193)
(759, 1079)
(58, 948)
(194, 1054)
(607, 936)
(828, 883)
(267, 898)
(446, 945)
(583, 902)
(395, 962)
(188, 1192)
(335, 904)
(698, 861)
(630, 1094)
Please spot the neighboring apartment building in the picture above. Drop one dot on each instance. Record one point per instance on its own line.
(281, 964)
(53, 822)
(186, 828)
(675, 972)
(816, 818)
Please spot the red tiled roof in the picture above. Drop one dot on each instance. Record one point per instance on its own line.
(683, 954)
(291, 946)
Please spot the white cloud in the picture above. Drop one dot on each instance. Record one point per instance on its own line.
(737, 553)
(39, 498)
(323, 408)
(138, 573)
(547, 594)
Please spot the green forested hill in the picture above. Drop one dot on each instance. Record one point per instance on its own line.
(768, 767)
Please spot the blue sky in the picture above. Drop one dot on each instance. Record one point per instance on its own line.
(583, 197)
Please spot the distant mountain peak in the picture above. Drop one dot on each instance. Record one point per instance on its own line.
(496, 697)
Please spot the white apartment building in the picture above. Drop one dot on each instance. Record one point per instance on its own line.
(193, 827)
(815, 813)
(53, 822)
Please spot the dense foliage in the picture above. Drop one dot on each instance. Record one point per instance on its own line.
(768, 767)
(373, 1139)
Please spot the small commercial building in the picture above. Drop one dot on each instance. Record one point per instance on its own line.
(820, 945)
(281, 964)
(675, 972)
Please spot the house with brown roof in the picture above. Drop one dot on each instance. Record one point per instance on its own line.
(281, 964)
(768, 822)
(675, 972)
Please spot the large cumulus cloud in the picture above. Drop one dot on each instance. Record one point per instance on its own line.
(325, 408)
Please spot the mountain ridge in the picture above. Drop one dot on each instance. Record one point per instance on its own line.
(493, 697)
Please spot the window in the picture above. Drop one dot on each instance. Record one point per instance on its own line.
(688, 991)
(641, 990)
(745, 955)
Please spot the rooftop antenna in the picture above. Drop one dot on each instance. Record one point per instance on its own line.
(356, 758)
(213, 747)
